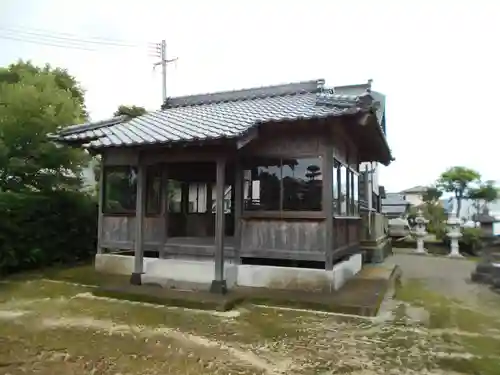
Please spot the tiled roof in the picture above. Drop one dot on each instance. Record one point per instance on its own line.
(393, 209)
(416, 189)
(360, 89)
(394, 202)
(219, 115)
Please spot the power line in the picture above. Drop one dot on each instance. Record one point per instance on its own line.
(69, 36)
(72, 41)
(72, 44)
(45, 43)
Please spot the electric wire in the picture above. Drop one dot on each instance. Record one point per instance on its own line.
(73, 37)
(84, 44)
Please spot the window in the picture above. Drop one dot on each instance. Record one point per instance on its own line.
(153, 188)
(343, 197)
(174, 196)
(336, 186)
(302, 184)
(120, 190)
(227, 198)
(354, 193)
(197, 198)
(285, 184)
(265, 188)
(345, 190)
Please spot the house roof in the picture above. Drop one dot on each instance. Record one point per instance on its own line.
(360, 89)
(395, 202)
(220, 115)
(393, 210)
(416, 190)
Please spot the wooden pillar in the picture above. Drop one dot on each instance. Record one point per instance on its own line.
(184, 197)
(368, 176)
(165, 188)
(219, 283)
(100, 217)
(238, 209)
(328, 205)
(139, 225)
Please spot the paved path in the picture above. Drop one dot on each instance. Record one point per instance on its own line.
(450, 277)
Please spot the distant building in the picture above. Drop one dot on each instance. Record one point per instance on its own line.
(395, 206)
(414, 195)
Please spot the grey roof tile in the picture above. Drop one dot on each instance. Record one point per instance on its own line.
(220, 115)
(393, 209)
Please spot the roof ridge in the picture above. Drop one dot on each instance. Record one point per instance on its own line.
(244, 94)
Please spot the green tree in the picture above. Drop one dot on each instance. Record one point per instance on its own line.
(432, 195)
(483, 195)
(14, 73)
(130, 110)
(457, 180)
(35, 102)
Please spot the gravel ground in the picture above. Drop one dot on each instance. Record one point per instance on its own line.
(52, 328)
(448, 276)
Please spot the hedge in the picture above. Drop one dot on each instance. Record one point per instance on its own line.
(38, 230)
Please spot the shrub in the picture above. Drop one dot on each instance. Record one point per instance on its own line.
(471, 241)
(38, 230)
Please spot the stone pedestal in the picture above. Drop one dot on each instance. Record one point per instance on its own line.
(420, 232)
(454, 234)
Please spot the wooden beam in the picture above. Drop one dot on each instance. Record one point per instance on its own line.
(165, 203)
(328, 204)
(247, 138)
(219, 283)
(100, 216)
(139, 225)
(238, 208)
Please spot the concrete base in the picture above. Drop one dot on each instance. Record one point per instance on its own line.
(136, 278)
(200, 274)
(294, 278)
(378, 250)
(218, 287)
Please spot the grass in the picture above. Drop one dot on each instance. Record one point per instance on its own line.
(463, 327)
(101, 336)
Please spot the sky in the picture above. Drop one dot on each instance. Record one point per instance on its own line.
(436, 61)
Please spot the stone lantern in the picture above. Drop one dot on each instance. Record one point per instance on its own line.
(454, 234)
(420, 232)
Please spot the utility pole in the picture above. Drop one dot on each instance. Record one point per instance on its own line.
(162, 49)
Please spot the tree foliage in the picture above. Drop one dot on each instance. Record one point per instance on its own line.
(432, 195)
(15, 73)
(483, 194)
(130, 110)
(40, 229)
(35, 102)
(44, 218)
(457, 180)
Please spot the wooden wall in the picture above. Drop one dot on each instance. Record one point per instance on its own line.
(283, 239)
(118, 232)
(346, 235)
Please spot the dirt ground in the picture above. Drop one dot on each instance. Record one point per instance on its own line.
(51, 327)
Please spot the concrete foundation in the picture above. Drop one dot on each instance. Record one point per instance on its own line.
(199, 274)
(376, 251)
